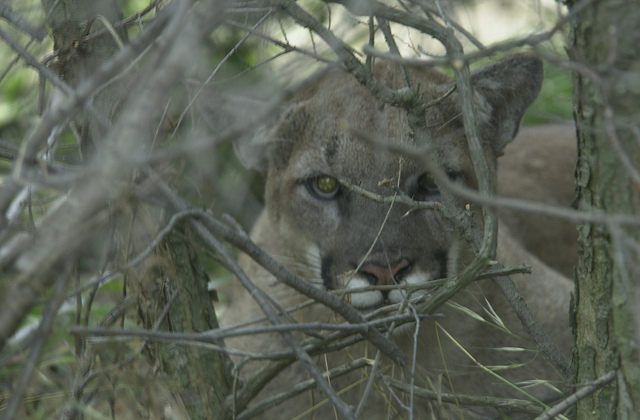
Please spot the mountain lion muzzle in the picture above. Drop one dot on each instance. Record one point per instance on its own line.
(318, 159)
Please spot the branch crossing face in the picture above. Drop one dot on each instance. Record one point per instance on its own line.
(332, 216)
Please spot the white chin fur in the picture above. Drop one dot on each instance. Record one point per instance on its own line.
(397, 296)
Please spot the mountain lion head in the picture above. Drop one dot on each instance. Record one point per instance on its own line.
(350, 205)
(338, 238)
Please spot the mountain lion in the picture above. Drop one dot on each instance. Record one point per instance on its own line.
(338, 239)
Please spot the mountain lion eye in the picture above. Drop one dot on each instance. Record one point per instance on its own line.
(428, 184)
(323, 186)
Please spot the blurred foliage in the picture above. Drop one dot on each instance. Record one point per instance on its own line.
(19, 83)
(554, 103)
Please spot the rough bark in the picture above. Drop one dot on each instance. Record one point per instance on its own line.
(171, 285)
(71, 22)
(201, 376)
(606, 52)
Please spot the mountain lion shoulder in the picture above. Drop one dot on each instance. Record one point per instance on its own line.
(338, 239)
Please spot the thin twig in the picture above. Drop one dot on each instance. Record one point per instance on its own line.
(87, 87)
(387, 199)
(37, 347)
(214, 336)
(300, 353)
(577, 396)
(22, 24)
(71, 224)
(301, 387)
(484, 52)
(497, 202)
(391, 42)
(543, 340)
(243, 242)
(430, 10)
(369, 387)
(482, 401)
(52, 77)
(215, 71)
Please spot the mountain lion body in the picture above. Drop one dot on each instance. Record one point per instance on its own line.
(339, 239)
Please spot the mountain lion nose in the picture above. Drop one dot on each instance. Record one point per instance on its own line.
(384, 275)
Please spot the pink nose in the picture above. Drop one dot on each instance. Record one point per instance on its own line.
(385, 275)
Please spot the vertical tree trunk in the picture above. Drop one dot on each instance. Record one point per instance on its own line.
(606, 51)
(71, 22)
(201, 376)
(172, 285)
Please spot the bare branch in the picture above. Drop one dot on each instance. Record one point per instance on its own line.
(460, 399)
(497, 202)
(582, 393)
(37, 347)
(17, 20)
(244, 243)
(216, 335)
(301, 387)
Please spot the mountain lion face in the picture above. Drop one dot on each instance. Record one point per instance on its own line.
(342, 240)
(341, 213)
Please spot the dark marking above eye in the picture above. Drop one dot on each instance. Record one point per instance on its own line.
(331, 148)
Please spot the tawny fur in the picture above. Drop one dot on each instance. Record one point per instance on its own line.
(322, 239)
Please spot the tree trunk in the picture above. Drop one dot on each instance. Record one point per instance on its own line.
(71, 22)
(171, 286)
(606, 52)
(201, 376)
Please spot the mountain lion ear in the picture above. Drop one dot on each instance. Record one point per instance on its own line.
(230, 112)
(252, 150)
(508, 87)
(272, 141)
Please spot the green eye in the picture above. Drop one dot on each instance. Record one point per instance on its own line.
(324, 186)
